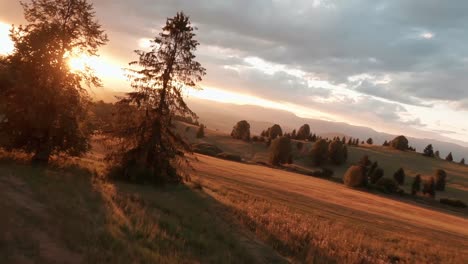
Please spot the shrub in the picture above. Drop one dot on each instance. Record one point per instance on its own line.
(462, 161)
(437, 154)
(370, 141)
(376, 175)
(280, 151)
(319, 152)
(400, 143)
(429, 187)
(440, 179)
(386, 144)
(354, 177)
(453, 202)
(255, 139)
(322, 173)
(241, 131)
(201, 131)
(399, 176)
(449, 157)
(229, 156)
(274, 132)
(428, 151)
(336, 152)
(416, 186)
(387, 185)
(303, 133)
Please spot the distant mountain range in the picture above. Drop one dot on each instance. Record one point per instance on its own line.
(223, 116)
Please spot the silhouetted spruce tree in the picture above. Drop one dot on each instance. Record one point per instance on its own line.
(336, 152)
(319, 152)
(440, 180)
(462, 161)
(201, 131)
(149, 142)
(428, 151)
(44, 102)
(350, 141)
(437, 154)
(370, 141)
(416, 186)
(293, 134)
(386, 144)
(343, 140)
(449, 157)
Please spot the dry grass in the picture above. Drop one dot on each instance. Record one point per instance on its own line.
(313, 220)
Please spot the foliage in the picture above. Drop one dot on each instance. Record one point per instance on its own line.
(303, 133)
(354, 177)
(148, 139)
(416, 186)
(440, 180)
(399, 176)
(274, 132)
(241, 131)
(280, 151)
(428, 151)
(453, 202)
(207, 149)
(336, 152)
(376, 175)
(229, 156)
(449, 157)
(400, 143)
(42, 99)
(319, 152)
(462, 161)
(387, 185)
(370, 141)
(429, 187)
(299, 145)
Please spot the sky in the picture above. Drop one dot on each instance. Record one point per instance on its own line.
(396, 66)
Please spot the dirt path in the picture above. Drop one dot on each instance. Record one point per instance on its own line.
(25, 232)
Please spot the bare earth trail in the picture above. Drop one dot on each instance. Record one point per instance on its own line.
(333, 201)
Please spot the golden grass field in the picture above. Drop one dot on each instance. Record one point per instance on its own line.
(228, 213)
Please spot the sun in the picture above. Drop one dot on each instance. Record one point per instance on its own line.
(6, 44)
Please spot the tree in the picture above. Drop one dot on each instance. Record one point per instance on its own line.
(303, 133)
(400, 143)
(370, 141)
(386, 144)
(280, 152)
(354, 177)
(449, 157)
(399, 176)
(429, 187)
(44, 101)
(437, 154)
(319, 152)
(416, 186)
(294, 134)
(201, 131)
(336, 152)
(274, 132)
(428, 151)
(440, 180)
(241, 131)
(462, 161)
(149, 142)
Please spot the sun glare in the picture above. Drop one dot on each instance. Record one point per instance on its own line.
(6, 44)
(103, 67)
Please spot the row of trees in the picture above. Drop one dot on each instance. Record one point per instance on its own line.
(43, 103)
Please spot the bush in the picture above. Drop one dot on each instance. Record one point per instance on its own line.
(319, 152)
(376, 175)
(370, 141)
(255, 139)
(201, 131)
(429, 187)
(354, 177)
(280, 151)
(241, 131)
(440, 180)
(336, 152)
(206, 149)
(400, 143)
(387, 185)
(399, 176)
(229, 156)
(453, 202)
(274, 132)
(416, 186)
(322, 173)
(303, 133)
